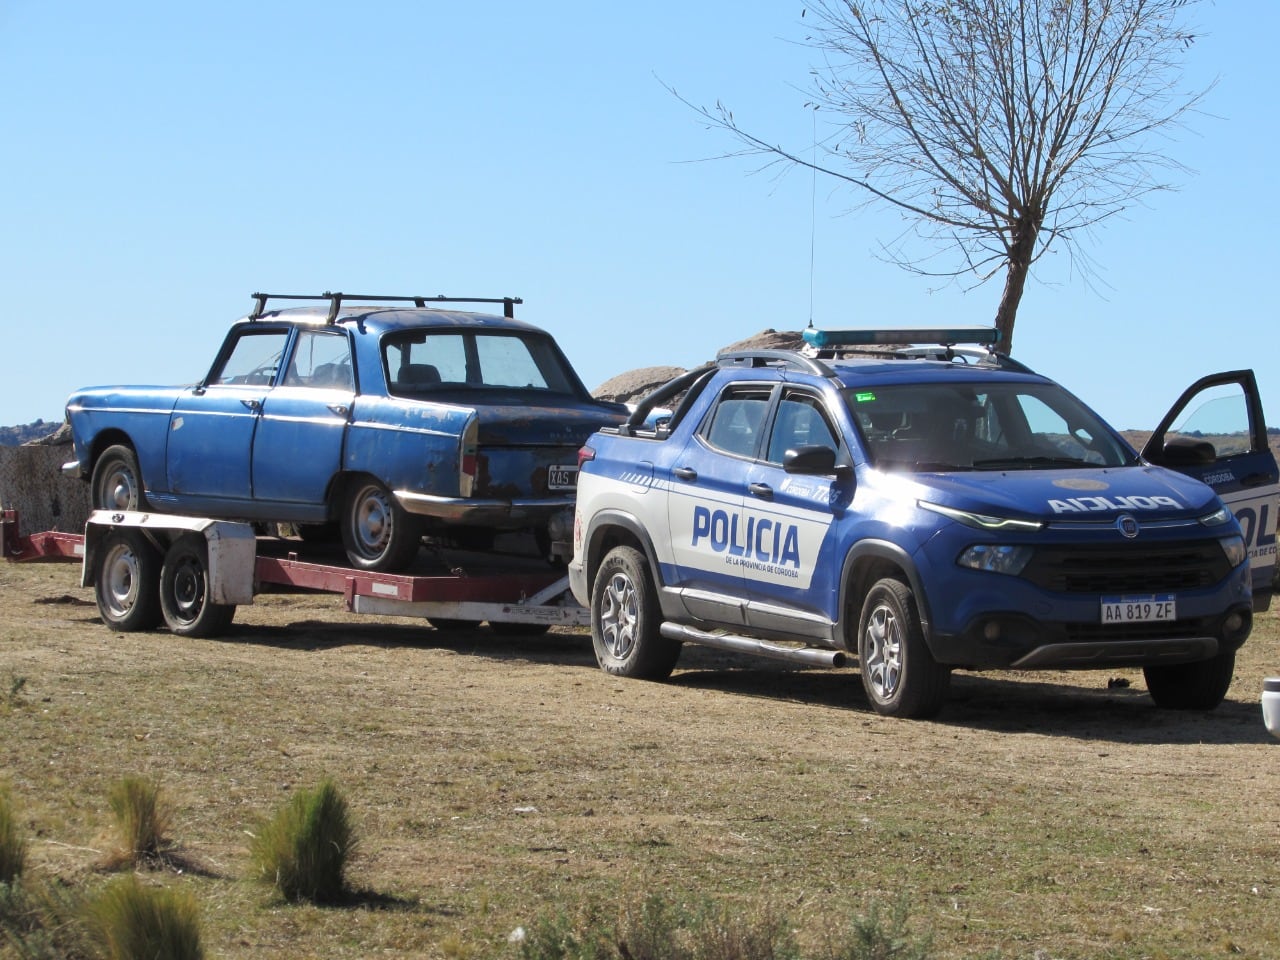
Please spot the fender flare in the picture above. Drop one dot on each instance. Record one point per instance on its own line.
(883, 551)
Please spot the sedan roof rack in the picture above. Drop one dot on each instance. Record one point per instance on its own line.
(336, 299)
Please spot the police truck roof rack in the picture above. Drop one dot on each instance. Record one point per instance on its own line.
(779, 358)
(336, 299)
(939, 344)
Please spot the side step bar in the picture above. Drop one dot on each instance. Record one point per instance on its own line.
(810, 656)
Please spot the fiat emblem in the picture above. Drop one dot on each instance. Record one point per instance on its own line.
(1127, 526)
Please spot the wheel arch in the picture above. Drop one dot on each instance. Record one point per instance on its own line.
(867, 562)
(612, 528)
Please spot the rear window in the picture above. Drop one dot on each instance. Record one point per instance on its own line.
(424, 362)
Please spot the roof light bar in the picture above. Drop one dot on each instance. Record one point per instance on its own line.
(945, 336)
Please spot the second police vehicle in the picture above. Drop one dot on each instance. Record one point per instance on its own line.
(924, 510)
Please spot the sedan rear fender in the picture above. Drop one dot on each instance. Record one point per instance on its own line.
(427, 448)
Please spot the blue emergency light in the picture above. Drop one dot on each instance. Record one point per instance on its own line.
(945, 336)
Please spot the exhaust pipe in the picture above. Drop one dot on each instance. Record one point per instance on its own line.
(810, 656)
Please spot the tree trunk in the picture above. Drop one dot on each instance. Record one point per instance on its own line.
(1021, 248)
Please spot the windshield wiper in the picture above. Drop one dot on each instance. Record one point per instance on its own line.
(1032, 463)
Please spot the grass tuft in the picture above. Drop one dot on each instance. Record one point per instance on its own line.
(132, 921)
(13, 845)
(143, 819)
(303, 849)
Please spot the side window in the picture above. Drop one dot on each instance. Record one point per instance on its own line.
(1218, 415)
(254, 359)
(320, 360)
(735, 423)
(800, 422)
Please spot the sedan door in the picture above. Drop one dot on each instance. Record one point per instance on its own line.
(1217, 434)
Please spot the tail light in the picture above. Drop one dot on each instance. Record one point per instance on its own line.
(467, 467)
(585, 455)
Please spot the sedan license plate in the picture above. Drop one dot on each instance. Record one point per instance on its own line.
(1139, 609)
(562, 477)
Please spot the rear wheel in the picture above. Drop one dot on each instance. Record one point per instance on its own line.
(899, 674)
(186, 598)
(377, 532)
(127, 582)
(625, 619)
(117, 482)
(1191, 686)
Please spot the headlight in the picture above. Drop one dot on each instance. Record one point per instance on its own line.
(996, 558)
(1217, 518)
(1235, 550)
(980, 521)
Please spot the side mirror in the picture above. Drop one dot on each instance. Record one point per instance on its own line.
(812, 461)
(1188, 452)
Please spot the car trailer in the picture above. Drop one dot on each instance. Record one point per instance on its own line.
(190, 573)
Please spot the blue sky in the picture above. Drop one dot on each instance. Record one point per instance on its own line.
(163, 161)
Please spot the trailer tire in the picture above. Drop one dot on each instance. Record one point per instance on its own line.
(625, 619)
(126, 582)
(186, 593)
(378, 533)
(117, 482)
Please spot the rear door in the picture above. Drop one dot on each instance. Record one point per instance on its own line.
(1217, 434)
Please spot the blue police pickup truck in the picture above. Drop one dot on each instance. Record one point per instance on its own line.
(387, 418)
(924, 510)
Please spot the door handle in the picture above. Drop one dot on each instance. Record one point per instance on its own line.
(685, 473)
(761, 490)
(254, 405)
(1257, 479)
(340, 409)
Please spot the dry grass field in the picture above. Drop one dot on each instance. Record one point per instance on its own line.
(494, 781)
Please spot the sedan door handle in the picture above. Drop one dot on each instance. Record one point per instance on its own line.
(685, 473)
(761, 490)
(340, 409)
(254, 405)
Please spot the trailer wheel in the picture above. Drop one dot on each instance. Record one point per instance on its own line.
(899, 674)
(377, 532)
(127, 582)
(625, 619)
(185, 591)
(117, 481)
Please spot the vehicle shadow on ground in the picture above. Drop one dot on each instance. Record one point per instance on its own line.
(1085, 706)
(1082, 706)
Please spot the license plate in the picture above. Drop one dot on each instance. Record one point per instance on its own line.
(1139, 609)
(562, 478)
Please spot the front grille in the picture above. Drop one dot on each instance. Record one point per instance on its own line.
(1128, 567)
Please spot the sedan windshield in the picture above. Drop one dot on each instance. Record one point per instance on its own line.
(981, 426)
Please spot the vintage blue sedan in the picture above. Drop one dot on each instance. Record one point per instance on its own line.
(388, 417)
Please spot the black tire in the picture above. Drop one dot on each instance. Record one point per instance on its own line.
(625, 619)
(377, 532)
(899, 674)
(450, 625)
(185, 591)
(1191, 686)
(508, 629)
(117, 481)
(127, 582)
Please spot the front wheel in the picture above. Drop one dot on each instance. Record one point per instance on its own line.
(127, 582)
(377, 532)
(1191, 686)
(117, 482)
(625, 619)
(899, 674)
(186, 597)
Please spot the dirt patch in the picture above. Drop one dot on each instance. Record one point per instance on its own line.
(496, 780)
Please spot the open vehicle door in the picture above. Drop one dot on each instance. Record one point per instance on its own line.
(1217, 434)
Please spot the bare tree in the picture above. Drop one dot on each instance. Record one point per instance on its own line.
(999, 128)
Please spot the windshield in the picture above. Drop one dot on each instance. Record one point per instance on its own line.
(981, 426)
(425, 362)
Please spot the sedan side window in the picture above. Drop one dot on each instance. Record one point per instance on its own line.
(254, 359)
(320, 360)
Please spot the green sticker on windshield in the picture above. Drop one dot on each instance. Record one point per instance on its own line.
(864, 396)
